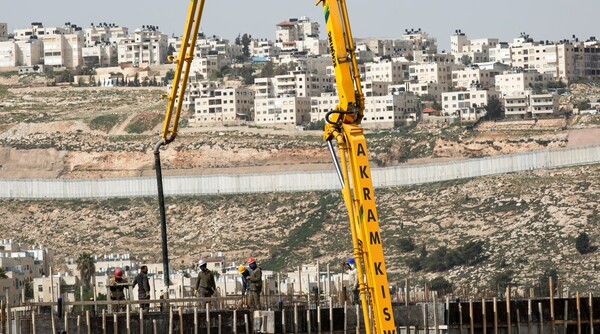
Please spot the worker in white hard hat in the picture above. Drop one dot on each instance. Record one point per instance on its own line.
(205, 282)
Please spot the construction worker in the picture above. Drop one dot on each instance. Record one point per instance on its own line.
(205, 281)
(141, 280)
(255, 279)
(352, 279)
(117, 285)
(245, 283)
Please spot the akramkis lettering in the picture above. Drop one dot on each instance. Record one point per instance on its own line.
(331, 49)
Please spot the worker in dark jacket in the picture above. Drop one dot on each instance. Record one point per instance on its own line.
(245, 272)
(206, 281)
(141, 280)
(255, 279)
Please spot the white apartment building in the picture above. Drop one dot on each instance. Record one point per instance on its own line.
(299, 35)
(383, 111)
(531, 105)
(3, 31)
(565, 61)
(394, 72)
(513, 83)
(264, 48)
(500, 54)
(468, 105)
(427, 88)
(61, 46)
(471, 51)
(411, 41)
(298, 83)
(101, 55)
(223, 105)
(423, 57)
(145, 46)
(209, 64)
(285, 110)
(433, 73)
(585, 61)
(105, 33)
(474, 75)
(22, 265)
(296, 30)
(21, 53)
(63, 51)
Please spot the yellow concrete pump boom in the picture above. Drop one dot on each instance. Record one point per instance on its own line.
(169, 130)
(355, 173)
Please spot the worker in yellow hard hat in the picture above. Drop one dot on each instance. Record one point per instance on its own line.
(245, 272)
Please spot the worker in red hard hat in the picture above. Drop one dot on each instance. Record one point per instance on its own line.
(255, 279)
(117, 285)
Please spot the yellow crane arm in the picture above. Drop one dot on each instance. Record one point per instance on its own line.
(354, 171)
(186, 55)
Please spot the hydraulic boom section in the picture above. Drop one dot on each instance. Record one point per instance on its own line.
(169, 131)
(354, 171)
(186, 55)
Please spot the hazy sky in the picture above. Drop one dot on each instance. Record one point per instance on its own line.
(542, 19)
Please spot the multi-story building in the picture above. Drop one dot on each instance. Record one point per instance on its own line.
(471, 51)
(469, 104)
(301, 34)
(62, 47)
(381, 111)
(412, 40)
(565, 61)
(431, 89)
(474, 75)
(285, 110)
(264, 48)
(298, 83)
(433, 73)
(105, 33)
(586, 61)
(22, 265)
(518, 82)
(21, 53)
(209, 64)
(223, 105)
(145, 46)
(3, 31)
(531, 105)
(100, 44)
(500, 54)
(394, 72)
(297, 30)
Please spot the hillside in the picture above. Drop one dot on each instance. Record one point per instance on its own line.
(526, 223)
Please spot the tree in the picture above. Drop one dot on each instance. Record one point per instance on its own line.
(246, 39)
(440, 285)
(170, 50)
(501, 280)
(268, 70)
(87, 268)
(543, 287)
(169, 76)
(406, 244)
(3, 273)
(582, 243)
(584, 105)
(494, 108)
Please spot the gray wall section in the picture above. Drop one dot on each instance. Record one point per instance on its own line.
(295, 181)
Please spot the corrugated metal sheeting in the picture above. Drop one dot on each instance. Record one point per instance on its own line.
(295, 181)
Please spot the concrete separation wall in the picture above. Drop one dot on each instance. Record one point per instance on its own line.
(295, 181)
